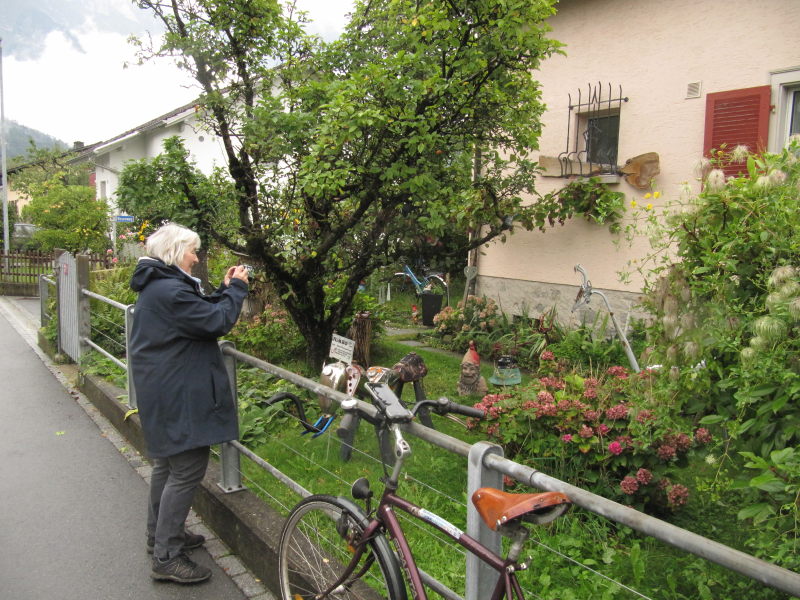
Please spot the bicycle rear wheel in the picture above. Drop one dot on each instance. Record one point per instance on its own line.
(315, 547)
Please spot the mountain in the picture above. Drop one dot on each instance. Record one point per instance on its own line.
(24, 24)
(18, 138)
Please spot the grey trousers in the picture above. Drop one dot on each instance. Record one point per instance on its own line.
(172, 486)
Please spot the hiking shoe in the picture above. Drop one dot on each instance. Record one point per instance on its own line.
(190, 541)
(180, 569)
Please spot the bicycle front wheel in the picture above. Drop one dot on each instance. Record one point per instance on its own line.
(316, 545)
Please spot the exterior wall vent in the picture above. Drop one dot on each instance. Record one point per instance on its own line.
(693, 89)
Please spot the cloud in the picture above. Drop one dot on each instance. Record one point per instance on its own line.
(71, 83)
(90, 96)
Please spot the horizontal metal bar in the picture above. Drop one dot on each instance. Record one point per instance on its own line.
(299, 380)
(119, 305)
(767, 573)
(275, 472)
(752, 567)
(102, 351)
(47, 279)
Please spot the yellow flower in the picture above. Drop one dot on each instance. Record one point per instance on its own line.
(656, 194)
(649, 206)
(633, 204)
(647, 195)
(141, 238)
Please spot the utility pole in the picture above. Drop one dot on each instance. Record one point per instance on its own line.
(3, 165)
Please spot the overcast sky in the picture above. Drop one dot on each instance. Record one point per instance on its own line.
(63, 65)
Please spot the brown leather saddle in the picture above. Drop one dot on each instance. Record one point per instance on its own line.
(499, 509)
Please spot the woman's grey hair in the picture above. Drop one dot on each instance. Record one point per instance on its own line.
(170, 242)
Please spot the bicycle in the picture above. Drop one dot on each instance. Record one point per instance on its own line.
(426, 283)
(331, 548)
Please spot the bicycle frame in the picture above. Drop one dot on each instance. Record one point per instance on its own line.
(386, 520)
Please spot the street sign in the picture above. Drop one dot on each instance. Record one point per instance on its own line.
(124, 219)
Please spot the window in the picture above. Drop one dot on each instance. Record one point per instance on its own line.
(592, 131)
(785, 120)
(737, 117)
(602, 139)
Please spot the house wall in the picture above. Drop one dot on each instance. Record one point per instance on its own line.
(653, 49)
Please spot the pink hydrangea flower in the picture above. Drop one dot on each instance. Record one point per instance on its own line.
(567, 437)
(629, 485)
(677, 495)
(682, 442)
(603, 429)
(552, 382)
(547, 355)
(645, 415)
(586, 432)
(616, 413)
(618, 372)
(702, 436)
(615, 448)
(591, 415)
(545, 397)
(644, 476)
(666, 452)
(590, 393)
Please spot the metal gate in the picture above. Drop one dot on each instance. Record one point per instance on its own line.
(73, 275)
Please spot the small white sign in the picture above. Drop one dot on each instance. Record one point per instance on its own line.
(342, 349)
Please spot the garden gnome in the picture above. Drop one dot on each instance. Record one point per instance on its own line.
(471, 381)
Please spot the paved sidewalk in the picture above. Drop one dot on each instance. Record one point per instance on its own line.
(72, 516)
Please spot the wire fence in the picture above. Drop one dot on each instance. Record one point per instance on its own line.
(304, 463)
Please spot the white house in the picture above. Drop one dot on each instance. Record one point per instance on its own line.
(644, 76)
(145, 141)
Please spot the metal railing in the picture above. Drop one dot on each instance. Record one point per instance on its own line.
(486, 467)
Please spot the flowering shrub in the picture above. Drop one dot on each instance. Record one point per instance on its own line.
(605, 433)
(474, 319)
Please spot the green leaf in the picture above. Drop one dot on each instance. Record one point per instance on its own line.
(757, 512)
(712, 419)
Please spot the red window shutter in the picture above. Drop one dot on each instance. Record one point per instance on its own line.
(737, 117)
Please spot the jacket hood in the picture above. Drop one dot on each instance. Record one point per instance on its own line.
(149, 269)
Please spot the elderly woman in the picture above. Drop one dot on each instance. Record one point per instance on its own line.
(184, 395)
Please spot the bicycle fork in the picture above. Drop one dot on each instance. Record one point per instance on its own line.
(359, 546)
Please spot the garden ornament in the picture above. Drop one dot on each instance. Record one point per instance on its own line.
(585, 295)
(471, 382)
(506, 372)
(340, 377)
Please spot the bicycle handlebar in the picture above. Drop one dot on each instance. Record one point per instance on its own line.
(443, 406)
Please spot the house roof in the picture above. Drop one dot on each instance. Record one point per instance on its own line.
(151, 124)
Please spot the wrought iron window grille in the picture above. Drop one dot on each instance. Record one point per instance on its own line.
(592, 131)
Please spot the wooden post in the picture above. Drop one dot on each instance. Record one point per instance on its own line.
(361, 333)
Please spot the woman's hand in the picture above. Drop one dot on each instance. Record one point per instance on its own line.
(240, 272)
(237, 272)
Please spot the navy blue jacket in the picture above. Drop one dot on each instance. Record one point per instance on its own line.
(182, 388)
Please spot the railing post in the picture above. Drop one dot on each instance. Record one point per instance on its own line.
(481, 578)
(229, 459)
(84, 315)
(44, 296)
(128, 326)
